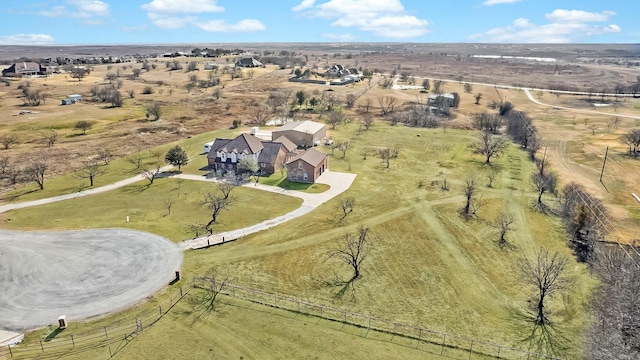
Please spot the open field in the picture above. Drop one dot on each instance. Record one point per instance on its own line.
(146, 208)
(428, 266)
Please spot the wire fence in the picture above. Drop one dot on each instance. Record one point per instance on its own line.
(114, 336)
(445, 344)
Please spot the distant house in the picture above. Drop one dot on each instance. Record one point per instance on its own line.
(337, 71)
(248, 63)
(224, 154)
(438, 99)
(302, 133)
(24, 69)
(307, 166)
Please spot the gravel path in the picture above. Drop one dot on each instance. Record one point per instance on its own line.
(79, 273)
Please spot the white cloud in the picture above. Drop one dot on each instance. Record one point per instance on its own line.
(26, 39)
(305, 4)
(182, 6)
(383, 18)
(561, 15)
(565, 26)
(496, 2)
(79, 9)
(170, 22)
(339, 37)
(171, 14)
(246, 25)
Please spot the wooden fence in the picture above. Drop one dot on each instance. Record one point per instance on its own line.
(445, 344)
(114, 337)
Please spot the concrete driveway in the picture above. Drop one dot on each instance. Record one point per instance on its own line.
(338, 183)
(79, 273)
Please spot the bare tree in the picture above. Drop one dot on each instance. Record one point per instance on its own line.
(632, 140)
(216, 203)
(136, 159)
(353, 251)
(468, 88)
(151, 174)
(91, 170)
(345, 205)
(259, 115)
(546, 274)
(367, 120)
(469, 191)
(387, 104)
(344, 146)
(503, 224)
(478, 97)
(168, 202)
(490, 145)
(51, 138)
(8, 140)
(36, 170)
(336, 117)
(105, 155)
(544, 183)
(491, 176)
(351, 100)
(438, 86)
(385, 155)
(227, 184)
(212, 284)
(4, 164)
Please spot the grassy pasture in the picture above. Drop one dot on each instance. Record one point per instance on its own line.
(428, 266)
(146, 208)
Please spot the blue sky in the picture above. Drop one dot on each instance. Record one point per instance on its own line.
(219, 21)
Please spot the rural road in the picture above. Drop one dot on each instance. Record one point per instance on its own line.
(528, 93)
(79, 273)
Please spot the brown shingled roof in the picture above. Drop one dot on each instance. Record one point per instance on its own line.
(288, 144)
(242, 144)
(310, 156)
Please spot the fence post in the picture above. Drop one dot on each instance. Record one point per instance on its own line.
(444, 340)
(72, 341)
(369, 326)
(275, 300)
(10, 352)
(106, 335)
(470, 349)
(419, 338)
(298, 305)
(345, 316)
(181, 292)
(141, 327)
(41, 346)
(160, 309)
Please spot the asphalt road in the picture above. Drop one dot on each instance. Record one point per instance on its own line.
(79, 273)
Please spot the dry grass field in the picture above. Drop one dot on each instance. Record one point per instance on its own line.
(428, 265)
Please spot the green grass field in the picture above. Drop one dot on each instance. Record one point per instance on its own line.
(428, 265)
(147, 211)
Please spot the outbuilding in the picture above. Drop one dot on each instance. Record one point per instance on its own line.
(303, 133)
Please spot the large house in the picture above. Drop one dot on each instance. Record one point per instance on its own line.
(307, 166)
(337, 71)
(224, 154)
(303, 133)
(24, 69)
(248, 63)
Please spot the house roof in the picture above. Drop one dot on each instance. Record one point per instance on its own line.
(307, 126)
(249, 61)
(270, 152)
(288, 144)
(242, 144)
(311, 156)
(215, 145)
